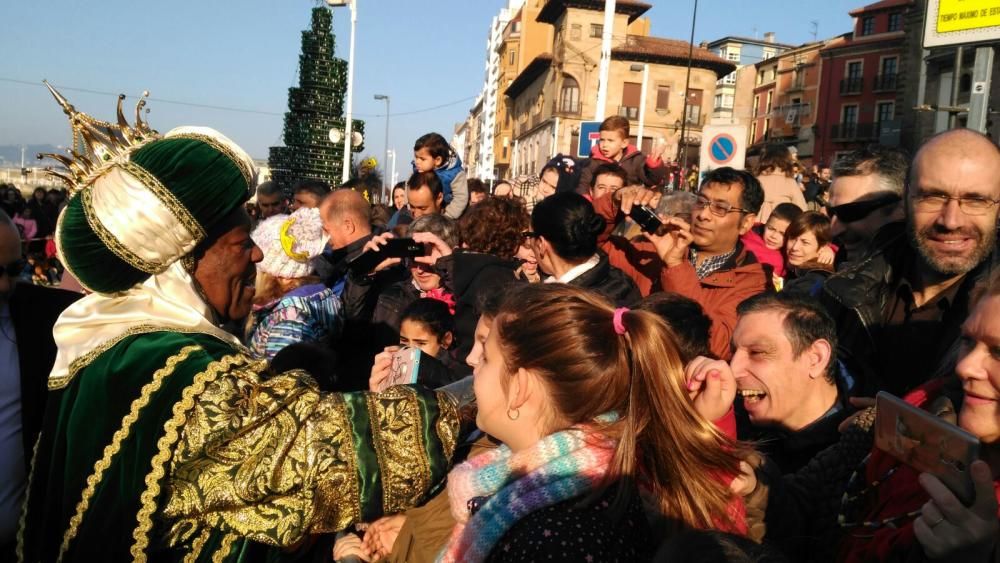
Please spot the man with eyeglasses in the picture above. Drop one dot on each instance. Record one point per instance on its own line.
(27, 352)
(703, 260)
(899, 310)
(866, 195)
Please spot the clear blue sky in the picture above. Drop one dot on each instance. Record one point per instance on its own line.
(245, 55)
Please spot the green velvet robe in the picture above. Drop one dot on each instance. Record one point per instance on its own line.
(178, 447)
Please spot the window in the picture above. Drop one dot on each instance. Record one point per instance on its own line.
(768, 53)
(728, 100)
(694, 107)
(850, 115)
(867, 25)
(513, 58)
(884, 111)
(769, 97)
(756, 104)
(889, 65)
(753, 132)
(718, 100)
(596, 30)
(895, 21)
(631, 94)
(569, 98)
(854, 69)
(575, 31)
(662, 98)
(729, 79)
(733, 56)
(760, 77)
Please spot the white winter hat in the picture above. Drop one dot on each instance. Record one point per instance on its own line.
(290, 243)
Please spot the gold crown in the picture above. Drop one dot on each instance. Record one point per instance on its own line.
(97, 145)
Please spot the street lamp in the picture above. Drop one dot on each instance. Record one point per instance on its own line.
(385, 178)
(348, 119)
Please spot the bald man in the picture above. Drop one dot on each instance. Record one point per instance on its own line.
(27, 352)
(898, 311)
(347, 220)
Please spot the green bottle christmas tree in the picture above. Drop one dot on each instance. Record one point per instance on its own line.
(314, 108)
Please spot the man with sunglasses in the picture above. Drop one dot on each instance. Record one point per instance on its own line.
(899, 310)
(27, 352)
(703, 260)
(866, 195)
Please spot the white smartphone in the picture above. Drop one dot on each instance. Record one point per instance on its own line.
(404, 369)
(926, 443)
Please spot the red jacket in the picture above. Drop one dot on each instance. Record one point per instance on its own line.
(899, 494)
(718, 294)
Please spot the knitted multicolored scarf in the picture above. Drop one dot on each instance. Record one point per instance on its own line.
(559, 467)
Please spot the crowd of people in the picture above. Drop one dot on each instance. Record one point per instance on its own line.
(533, 371)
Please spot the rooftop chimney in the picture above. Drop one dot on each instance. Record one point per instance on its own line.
(769, 37)
(703, 45)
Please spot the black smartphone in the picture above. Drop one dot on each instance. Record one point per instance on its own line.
(646, 218)
(393, 248)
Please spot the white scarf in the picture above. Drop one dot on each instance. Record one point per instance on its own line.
(92, 325)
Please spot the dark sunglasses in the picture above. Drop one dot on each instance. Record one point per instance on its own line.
(858, 210)
(14, 269)
(529, 235)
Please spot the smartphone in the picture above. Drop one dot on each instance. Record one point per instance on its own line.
(404, 369)
(646, 218)
(926, 443)
(393, 248)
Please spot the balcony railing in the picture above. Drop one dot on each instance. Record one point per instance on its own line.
(853, 85)
(799, 83)
(566, 107)
(885, 82)
(846, 132)
(629, 112)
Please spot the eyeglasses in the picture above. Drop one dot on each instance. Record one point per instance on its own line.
(858, 210)
(14, 269)
(718, 208)
(970, 205)
(526, 235)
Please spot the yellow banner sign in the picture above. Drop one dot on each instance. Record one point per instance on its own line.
(967, 15)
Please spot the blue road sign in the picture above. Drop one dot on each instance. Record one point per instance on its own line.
(590, 132)
(722, 149)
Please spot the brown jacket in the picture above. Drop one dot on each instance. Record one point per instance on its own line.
(718, 294)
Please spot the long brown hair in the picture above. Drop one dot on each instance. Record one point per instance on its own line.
(566, 336)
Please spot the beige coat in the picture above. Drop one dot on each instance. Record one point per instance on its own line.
(779, 188)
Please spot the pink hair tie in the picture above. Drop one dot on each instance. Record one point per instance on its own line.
(618, 321)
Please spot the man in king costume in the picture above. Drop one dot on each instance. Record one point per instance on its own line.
(164, 439)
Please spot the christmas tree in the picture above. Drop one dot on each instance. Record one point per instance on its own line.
(314, 108)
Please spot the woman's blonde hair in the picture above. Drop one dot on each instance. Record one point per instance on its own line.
(566, 336)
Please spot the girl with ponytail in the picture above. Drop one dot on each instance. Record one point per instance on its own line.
(591, 405)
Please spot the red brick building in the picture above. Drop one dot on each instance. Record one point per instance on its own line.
(859, 85)
(785, 97)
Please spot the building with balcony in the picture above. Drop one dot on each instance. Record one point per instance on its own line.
(483, 167)
(557, 89)
(732, 103)
(524, 39)
(785, 97)
(861, 81)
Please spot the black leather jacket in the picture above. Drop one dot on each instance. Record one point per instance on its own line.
(857, 297)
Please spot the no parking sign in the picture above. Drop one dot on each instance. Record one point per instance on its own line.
(723, 145)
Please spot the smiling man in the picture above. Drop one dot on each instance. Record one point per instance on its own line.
(898, 311)
(703, 260)
(794, 394)
(161, 425)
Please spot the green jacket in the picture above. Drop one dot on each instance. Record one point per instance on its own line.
(171, 447)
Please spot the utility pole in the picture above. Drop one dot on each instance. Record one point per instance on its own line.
(602, 84)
